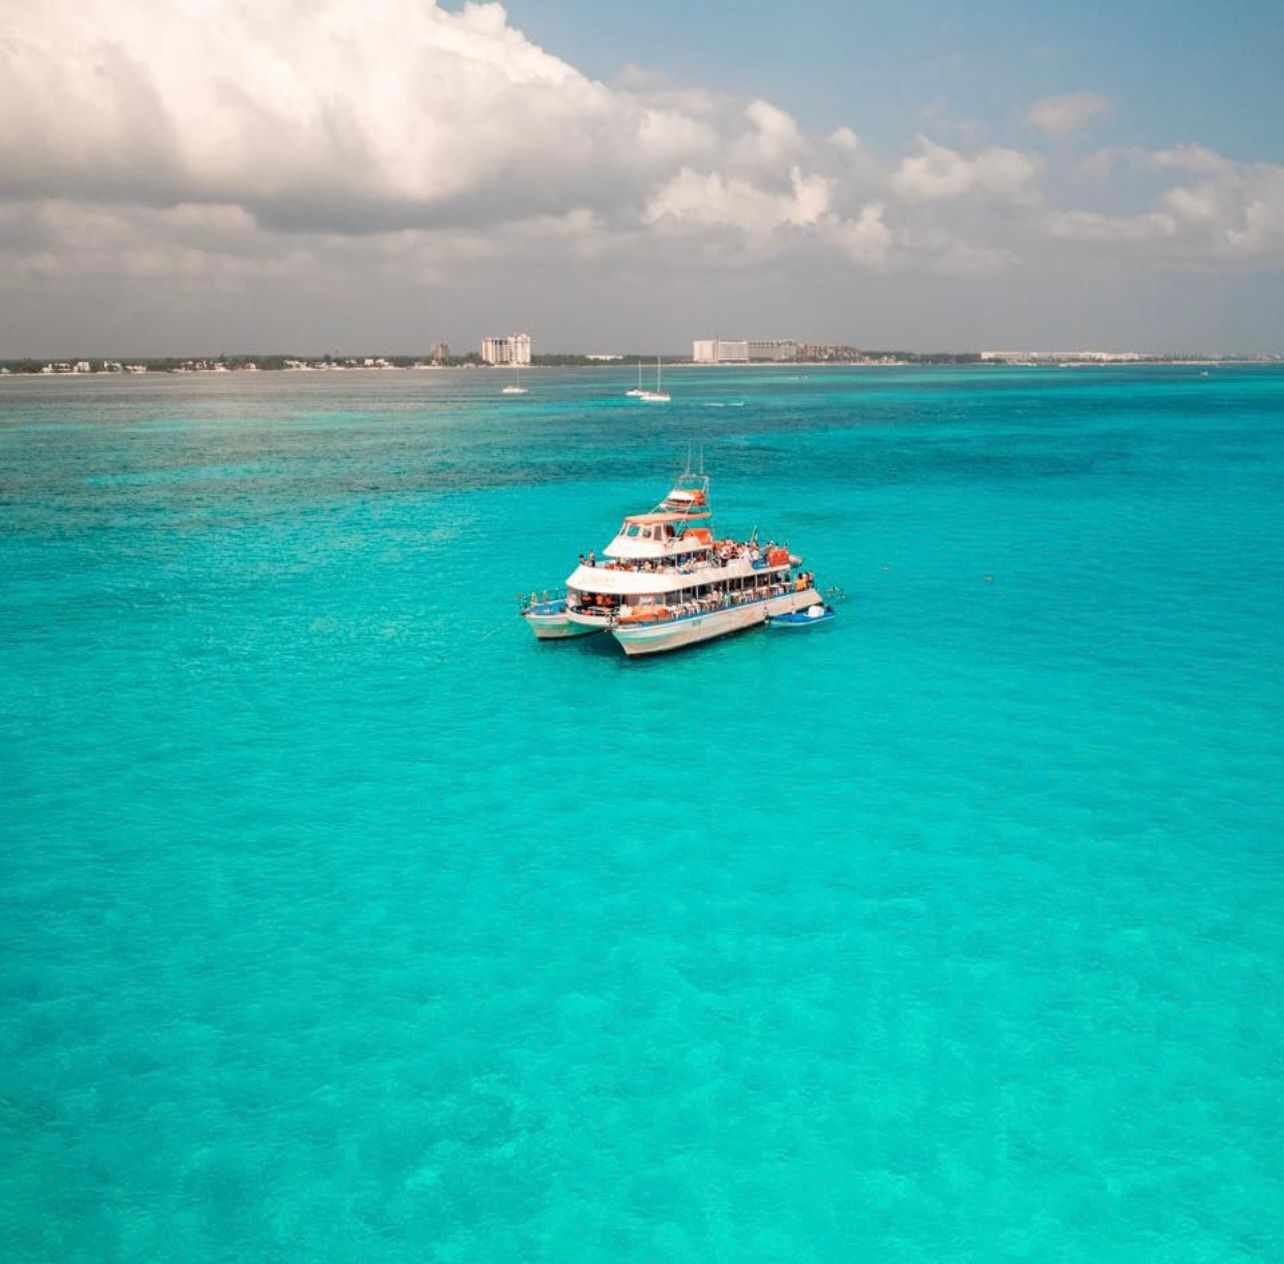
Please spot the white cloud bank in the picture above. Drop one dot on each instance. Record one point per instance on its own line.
(1226, 213)
(333, 116)
(332, 121)
(215, 140)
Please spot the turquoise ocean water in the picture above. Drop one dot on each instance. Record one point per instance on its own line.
(340, 921)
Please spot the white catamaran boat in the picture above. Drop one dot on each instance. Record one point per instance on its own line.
(637, 391)
(666, 581)
(656, 396)
(515, 387)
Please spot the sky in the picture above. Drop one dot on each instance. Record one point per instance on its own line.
(210, 176)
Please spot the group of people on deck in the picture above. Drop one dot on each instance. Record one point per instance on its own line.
(720, 599)
(720, 553)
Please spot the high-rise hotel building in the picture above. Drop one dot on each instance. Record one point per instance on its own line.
(741, 351)
(514, 349)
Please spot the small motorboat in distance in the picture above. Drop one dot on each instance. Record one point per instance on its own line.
(812, 617)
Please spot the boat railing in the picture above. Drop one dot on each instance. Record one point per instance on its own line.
(664, 566)
(705, 605)
(548, 601)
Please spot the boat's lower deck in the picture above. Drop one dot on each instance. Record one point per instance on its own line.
(689, 629)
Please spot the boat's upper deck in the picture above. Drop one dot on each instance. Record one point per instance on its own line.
(722, 560)
(673, 547)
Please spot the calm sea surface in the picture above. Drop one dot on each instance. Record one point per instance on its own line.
(341, 921)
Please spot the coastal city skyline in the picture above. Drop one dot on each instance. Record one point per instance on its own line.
(1026, 177)
(502, 352)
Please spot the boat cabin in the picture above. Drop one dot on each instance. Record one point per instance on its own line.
(650, 536)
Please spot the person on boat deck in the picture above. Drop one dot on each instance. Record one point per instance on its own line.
(591, 560)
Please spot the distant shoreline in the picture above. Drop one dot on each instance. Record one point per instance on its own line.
(166, 368)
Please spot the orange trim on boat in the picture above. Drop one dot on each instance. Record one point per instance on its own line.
(645, 614)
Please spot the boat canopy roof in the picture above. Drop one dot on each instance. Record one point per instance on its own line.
(650, 519)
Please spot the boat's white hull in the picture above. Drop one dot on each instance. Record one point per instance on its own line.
(556, 627)
(656, 638)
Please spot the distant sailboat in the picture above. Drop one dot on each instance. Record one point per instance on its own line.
(656, 396)
(637, 391)
(515, 387)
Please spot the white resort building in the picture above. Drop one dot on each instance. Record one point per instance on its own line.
(513, 349)
(743, 350)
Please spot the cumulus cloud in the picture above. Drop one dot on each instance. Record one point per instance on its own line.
(935, 172)
(773, 136)
(404, 115)
(1195, 205)
(804, 212)
(1229, 213)
(1192, 158)
(865, 240)
(712, 199)
(1059, 116)
(218, 245)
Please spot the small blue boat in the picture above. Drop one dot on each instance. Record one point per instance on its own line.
(812, 617)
